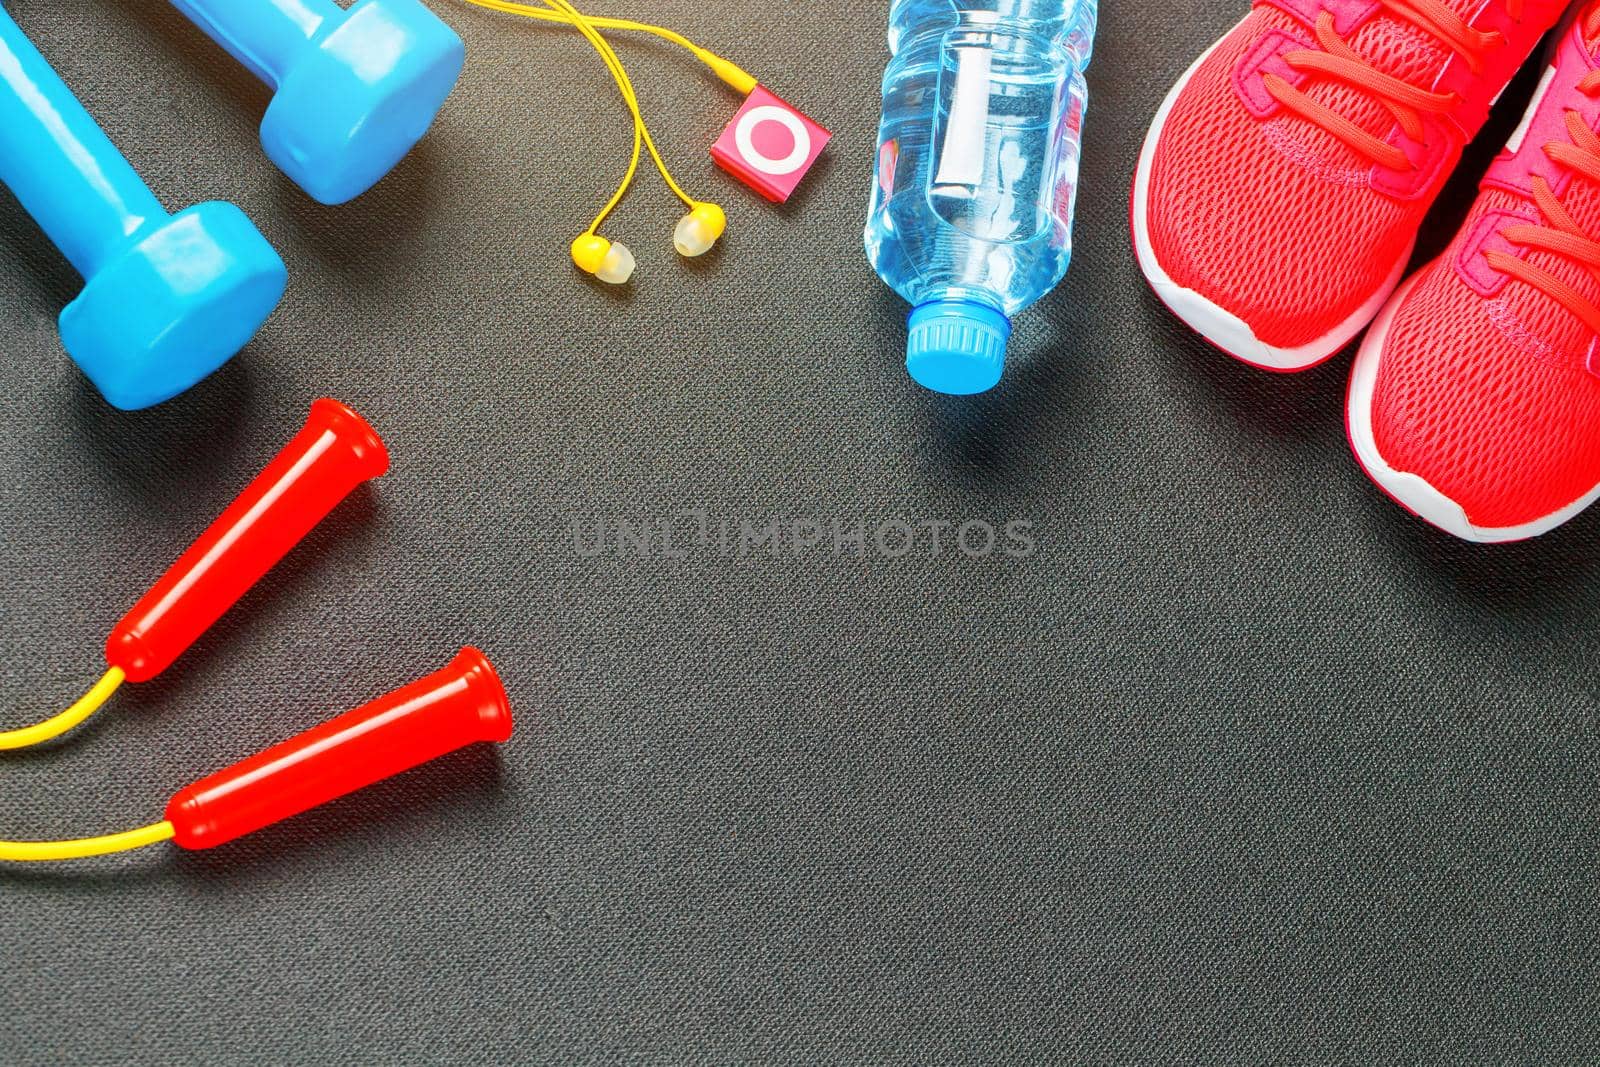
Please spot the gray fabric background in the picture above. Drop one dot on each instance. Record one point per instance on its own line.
(1242, 766)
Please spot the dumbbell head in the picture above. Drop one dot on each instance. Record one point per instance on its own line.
(173, 306)
(357, 100)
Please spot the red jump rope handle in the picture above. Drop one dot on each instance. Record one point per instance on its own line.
(461, 705)
(336, 452)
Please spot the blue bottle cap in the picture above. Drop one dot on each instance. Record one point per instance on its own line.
(957, 347)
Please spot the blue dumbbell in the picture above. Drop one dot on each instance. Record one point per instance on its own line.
(355, 90)
(168, 298)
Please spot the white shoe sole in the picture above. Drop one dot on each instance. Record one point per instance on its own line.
(1412, 491)
(1222, 328)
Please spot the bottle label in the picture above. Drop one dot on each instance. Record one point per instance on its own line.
(961, 161)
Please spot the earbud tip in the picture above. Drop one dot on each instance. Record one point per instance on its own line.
(618, 266)
(610, 261)
(699, 230)
(691, 238)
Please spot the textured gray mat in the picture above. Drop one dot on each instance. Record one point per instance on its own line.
(1241, 765)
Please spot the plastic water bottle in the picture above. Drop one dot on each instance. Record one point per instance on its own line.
(977, 172)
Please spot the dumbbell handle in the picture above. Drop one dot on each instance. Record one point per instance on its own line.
(264, 35)
(59, 163)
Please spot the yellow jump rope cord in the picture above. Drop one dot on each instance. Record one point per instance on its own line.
(48, 851)
(560, 11)
(51, 729)
(43, 851)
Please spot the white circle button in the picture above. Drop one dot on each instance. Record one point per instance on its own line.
(744, 137)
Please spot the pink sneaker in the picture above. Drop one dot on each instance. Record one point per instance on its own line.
(1283, 181)
(1476, 398)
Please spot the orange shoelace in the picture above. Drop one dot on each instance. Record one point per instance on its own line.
(1406, 102)
(1563, 236)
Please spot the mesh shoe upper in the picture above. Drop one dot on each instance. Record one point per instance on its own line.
(1273, 218)
(1487, 387)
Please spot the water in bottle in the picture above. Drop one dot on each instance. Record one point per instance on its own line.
(971, 218)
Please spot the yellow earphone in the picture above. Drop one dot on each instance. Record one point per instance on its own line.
(699, 230)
